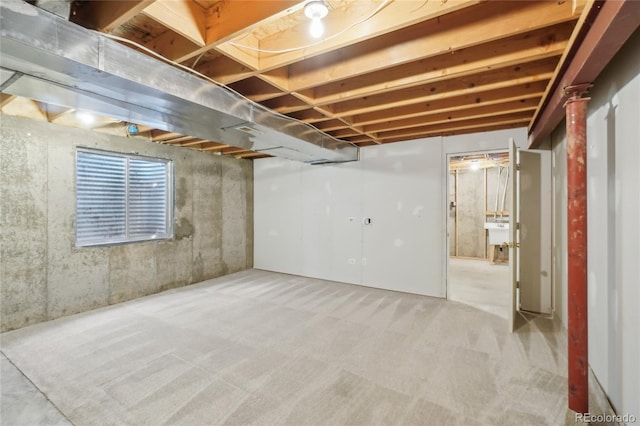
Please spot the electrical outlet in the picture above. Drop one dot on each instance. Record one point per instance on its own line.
(351, 261)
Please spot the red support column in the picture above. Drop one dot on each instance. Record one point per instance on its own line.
(576, 113)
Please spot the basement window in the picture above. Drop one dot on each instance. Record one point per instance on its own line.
(122, 198)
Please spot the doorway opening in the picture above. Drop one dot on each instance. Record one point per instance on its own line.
(478, 196)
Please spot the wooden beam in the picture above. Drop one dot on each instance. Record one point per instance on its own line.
(492, 80)
(345, 133)
(278, 78)
(169, 44)
(54, 112)
(186, 18)
(228, 19)
(225, 70)
(234, 150)
(246, 58)
(514, 51)
(361, 139)
(286, 104)
(5, 99)
(456, 103)
(214, 147)
(256, 89)
(160, 135)
(177, 140)
(106, 15)
(193, 142)
(603, 36)
(459, 131)
(24, 107)
(521, 118)
(393, 16)
(588, 14)
(334, 124)
(250, 154)
(313, 115)
(473, 112)
(468, 27)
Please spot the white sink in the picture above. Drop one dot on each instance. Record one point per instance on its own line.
(498, 232)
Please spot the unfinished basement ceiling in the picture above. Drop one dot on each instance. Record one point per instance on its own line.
(384, 71)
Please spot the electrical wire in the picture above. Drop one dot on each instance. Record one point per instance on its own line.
(217, 83)
(293, 49)
(162, 58)
(193, 66)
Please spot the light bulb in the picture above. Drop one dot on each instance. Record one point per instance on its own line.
(316, 29)
(475, 165)
(316, 10)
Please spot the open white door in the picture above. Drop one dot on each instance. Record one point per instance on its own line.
(530, 232)
(534, 177)
(513, 233)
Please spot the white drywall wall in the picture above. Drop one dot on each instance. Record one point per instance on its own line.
(613, 205)
(402, 189)
(309, 219)
(278, 220)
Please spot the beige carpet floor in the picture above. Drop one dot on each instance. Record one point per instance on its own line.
(271, 349)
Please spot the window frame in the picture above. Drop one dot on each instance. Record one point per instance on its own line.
(169, 206)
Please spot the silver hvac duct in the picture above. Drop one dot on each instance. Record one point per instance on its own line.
(46, 58)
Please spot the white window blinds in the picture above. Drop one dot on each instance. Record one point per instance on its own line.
(122, 198)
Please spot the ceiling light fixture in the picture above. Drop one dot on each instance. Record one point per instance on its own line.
(316, 10)
(85, 117)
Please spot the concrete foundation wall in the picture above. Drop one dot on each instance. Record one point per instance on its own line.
(476, 194)
(44, 276)
(471, 214)
(613, 203)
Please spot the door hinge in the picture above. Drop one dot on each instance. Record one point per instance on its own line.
(518, 225)
(517, 166)
(517, 284)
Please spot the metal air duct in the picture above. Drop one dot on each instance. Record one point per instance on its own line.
(49, 59)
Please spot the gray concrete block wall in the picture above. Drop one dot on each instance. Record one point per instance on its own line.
(471, 211)
(44, 276)
(23, 230)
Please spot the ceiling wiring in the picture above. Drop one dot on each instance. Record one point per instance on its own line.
(162, 58)
(193, 66)
(294, 49)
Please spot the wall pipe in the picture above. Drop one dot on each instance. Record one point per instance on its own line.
(577, 327)
(504, 194)
(495, 211)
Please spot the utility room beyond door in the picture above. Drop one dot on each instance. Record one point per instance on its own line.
(478, 228)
